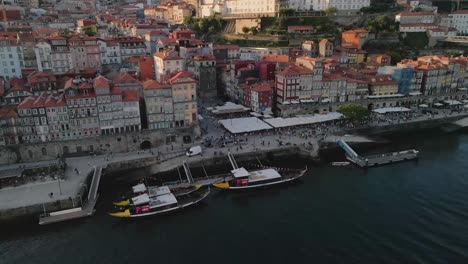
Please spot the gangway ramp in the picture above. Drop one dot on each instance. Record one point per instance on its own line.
(188, 172)
(347, 148)
(233, 161)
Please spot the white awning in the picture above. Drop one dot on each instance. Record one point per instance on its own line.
(200, 117)
(243, 125)
(452, 102)
(463, 89)
(240, 172)
(438, 104)
(141, 199)
(415, 93)
(163, 200)
(139, 188)
(465, 101)
(302, 120)
(326, 100)
(423, 105)
(391, 110)
(466, 106)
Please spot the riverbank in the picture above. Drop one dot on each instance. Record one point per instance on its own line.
(31, 200)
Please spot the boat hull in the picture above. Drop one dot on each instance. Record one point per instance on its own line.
(226, 186)
(127, 214)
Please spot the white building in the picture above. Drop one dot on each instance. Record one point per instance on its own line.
(166, 62)
(110, 52)
(415, 17)
(11, 58)
(459, 20)
(43, 58)
(417, 27)
(131, 111)
(340, 4)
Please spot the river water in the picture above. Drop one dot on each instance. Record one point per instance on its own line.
(413, 212)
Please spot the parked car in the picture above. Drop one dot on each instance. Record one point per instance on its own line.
(193, 151)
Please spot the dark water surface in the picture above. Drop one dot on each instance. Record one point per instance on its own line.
(414, 212)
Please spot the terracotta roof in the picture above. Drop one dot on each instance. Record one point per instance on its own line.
(325, 41)
(228, 47)
(130, 96)
(85, 85)
(37, 75)
(309, 42)
(262, 87)
(40, 101)
(50, 101)
(276, 58)
(152, 84)
(384, 79)
(125, 78)
(168, 55)
(27, 102)
(294, 70)
(116, 90)
(415, 14)
(8, 111)
(462, 12)
(180, 74)
(203, 57)
(101, 82)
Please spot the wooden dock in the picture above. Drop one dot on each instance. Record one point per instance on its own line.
(377, 160)
(384, 159)
(86, 210)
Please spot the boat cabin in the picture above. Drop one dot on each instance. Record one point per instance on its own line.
(242, 177)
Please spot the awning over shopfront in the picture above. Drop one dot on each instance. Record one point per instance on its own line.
(391, 110)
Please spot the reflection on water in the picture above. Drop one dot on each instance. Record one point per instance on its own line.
(413, 212)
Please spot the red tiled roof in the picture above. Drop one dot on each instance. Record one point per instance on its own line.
(276, 58)
(462, 12)
(152, 84)
(228, 47)
(294, 70)
(180, 74)
(384, 79)
(40, 101)
(415, 13)
(125, 78)
(101, 82)
(130, 96)
(262, 87)
(8, 111)
(27, 102)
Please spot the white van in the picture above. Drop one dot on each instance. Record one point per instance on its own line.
(193, 151)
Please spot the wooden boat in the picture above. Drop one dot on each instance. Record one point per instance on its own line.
(143, 205)
(243, 179)
(154, 191)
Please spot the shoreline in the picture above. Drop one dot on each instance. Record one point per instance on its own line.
(320, 150)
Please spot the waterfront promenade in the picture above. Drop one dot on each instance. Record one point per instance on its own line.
(171, 156)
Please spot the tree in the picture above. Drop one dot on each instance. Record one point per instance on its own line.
(354, 112)
(395, 55)
(91, 30)
(245, 30)
(286, 11)
(331, 10)
(253, 30)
